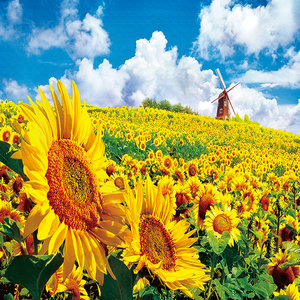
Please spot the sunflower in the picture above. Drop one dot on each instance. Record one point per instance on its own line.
(6, 134)
(291, 291)
(167, 162)
(7, 211)
(161, 245)
(65, 164)
(219, 220)
(205, 199)
(285, 232)
(282, 277)
(73, 283)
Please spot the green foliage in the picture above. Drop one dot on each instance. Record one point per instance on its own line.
(238, 119)
(33, 271)
(166, 105)
(122, 287)
(218, 246)
(12, 228)
(5, 157)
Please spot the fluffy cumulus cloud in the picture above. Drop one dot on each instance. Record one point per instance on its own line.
(13, 90)
(10, 20)
(225, 25)
(157, 72)
(80, 39)
(153, 72)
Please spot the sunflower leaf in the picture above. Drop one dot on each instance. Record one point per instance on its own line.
(11, 228)
(218, 246)
(14, 164)
(122, 287)
(33, 271)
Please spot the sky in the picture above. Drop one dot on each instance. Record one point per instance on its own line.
(121, 52)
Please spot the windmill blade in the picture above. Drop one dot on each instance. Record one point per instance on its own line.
(222, 95)
(233, 87)
(221, 79)
(230, 104)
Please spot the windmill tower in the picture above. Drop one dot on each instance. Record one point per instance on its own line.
(223, 111)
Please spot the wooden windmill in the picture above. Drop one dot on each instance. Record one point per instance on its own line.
(223, 111)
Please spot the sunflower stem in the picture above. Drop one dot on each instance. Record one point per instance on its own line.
(213, 260)
(278, 223)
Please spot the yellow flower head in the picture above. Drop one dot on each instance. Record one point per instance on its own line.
(282, 277)
(65, 164)
(219, 220)
(161, 245)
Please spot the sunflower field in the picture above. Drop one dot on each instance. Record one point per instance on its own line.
(143, 203)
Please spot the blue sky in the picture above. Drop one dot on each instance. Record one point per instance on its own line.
(120, 52)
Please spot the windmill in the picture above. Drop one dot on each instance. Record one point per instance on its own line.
(223, 111)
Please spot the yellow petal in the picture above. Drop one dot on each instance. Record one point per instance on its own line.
(78, 248)
(35, 217)
(69, 254)
(90, 263)
(57, 238)
(48, 225)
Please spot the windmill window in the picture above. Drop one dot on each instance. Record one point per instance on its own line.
(225, 103)
(221, 110)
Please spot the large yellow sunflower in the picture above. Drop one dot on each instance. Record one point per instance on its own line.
(65, 164)
(161, 245)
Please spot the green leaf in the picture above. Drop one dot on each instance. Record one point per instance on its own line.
(293, 261)
(122, 287)
(220, 289)
(195, 291)
(292, 213)
(282, 297)
(33, 271)
(218, 246)
(264, 288)
(291, 247)
(8, 297)
(12, 229)
(272, 194)
(14, 164)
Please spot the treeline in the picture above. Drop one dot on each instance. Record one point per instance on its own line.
(166, 105)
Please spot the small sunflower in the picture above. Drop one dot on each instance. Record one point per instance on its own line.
(73, 283)
(65, 164)
(219, 220)
(205, 199)
(6, 134)
(161, 245)
(282, 277)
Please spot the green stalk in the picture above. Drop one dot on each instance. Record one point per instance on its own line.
(213, 260)
(278, 223)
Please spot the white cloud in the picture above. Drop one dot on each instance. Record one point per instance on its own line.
(224, 25)
(158, 73)
(14, 91)
(13, 17)
(80, 39)
(265, 111)
(287, 76)
(14, 12)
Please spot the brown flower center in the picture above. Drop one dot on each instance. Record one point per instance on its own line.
(156, 242)
(73, 187)
(222, 223)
